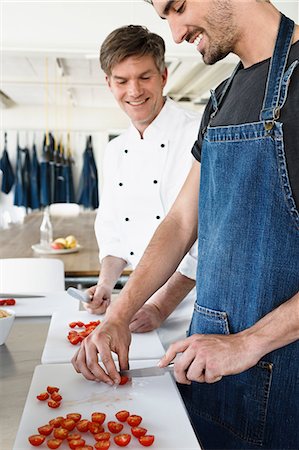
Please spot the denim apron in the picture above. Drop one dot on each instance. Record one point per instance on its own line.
(248, 264)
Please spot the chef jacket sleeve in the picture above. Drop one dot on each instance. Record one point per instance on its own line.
(106, 223)
(188, 265)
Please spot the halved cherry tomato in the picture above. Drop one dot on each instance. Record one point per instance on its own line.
(95, 428)
(56, 422)
(146, 440)
(102, 445)
(122, 415)
(54, 443)
(138, 431)
(43, 396)
(72, 436)
(46, 430)
(72, 324)
(134, 420)
(75, 416)
(53, 404)
(7, 302)
(86, 447)
(115, 427)
(123, 380)
(69, 424)
(56, 397)
(76, 443)
(52, 389)
(102, 436)
(98, 417)
(82, 425)
(61, 433)
(74, 340)
(122, 440)
(80, 324)
(36, 439)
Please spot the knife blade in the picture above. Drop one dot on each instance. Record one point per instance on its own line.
(19, 295)
(79, 295)
(152, 371)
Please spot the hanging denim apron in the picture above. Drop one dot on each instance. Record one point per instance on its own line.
(248, 257)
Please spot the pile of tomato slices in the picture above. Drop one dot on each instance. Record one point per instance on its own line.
(52, 395)
(76, 337)
(7, 302)
(71, 428)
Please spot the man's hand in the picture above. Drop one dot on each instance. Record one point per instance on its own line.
(101, 298)
(148, 318)
(100, 343)
(207, 358)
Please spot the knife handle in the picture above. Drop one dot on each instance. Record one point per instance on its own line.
(79, 295)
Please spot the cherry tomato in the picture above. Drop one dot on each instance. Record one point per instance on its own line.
(122, 415)
(76, 443)
(98, 417)
(82, 425)
(61, 433)
(138, 431)
(115, 427)
(52, 389)
(45, 430)
(36, 439)
(54, 443)
(56, 422)
(80, 324)
(102, 445)
(134, 420)
(75, 416)
(7, 302)
(122, 440)
(56, 397)
(74, 340)
(72, 436)
(72, 324)
(95, 428)
(146, 440)
(102, 436)
(86, 447)
(123, 380)
(43, 396)
(53, 404)
(69, 424)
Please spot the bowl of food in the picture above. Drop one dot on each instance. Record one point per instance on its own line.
(7, 317)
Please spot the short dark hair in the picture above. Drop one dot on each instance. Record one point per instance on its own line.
(131, 40)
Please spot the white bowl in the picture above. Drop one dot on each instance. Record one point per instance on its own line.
(6, 325)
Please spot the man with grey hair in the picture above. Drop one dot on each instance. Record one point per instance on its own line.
(238, 369)
(144, 169)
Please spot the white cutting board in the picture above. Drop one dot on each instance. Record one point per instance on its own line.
(59, 350)
(44, 306)
(156, 399)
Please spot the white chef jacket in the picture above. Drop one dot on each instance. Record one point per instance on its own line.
(142, 178)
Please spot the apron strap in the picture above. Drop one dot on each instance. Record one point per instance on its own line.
(271, 110)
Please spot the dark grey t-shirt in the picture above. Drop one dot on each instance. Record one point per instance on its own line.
(243, 104)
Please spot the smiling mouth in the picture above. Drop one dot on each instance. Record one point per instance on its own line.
(197, 40)
(140, 102)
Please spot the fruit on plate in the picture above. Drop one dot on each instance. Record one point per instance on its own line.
(64, 243)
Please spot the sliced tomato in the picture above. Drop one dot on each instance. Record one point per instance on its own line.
(80, 324)
(53, 404)
(102, 445)
(56, 397)
(7, 302)
(56, 422)
(98, 417)
(122, 440)
(74, 340)
(122, 415)
(36, 440)
(61, 433)
(75, 416)
(123, 380)
(54, 443)
(69, 424)
(147, 440)
(138, 431)
(45, 430)
(115, 427)
(82, 425)
(134, 420)
(105, 436)
(76, 443)
(72, 324)
(95, 428)
(72, 436)
(43, 396)
(86, 447)
(52, 389)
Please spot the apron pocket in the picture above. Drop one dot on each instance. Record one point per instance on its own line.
(208, 321)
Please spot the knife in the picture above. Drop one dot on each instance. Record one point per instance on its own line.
(15, 295)
(147, 371)
(79, 295)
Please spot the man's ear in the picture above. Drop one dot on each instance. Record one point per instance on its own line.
(164, 76)
(108, 81)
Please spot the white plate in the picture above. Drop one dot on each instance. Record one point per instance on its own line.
(59, 350)
(38, 248)
(156, 399)
(45, 306)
